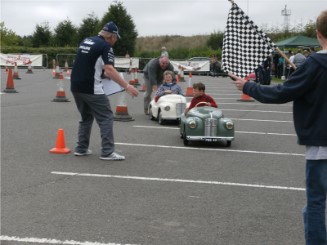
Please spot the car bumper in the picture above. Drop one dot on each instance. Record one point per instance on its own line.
(209, 138)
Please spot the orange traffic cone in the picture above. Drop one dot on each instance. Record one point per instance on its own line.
(136, 80)
(121, 113)
(143, 88)
(29, 69)
(189, 89)
(132, 74)
(16, 75)
(68, 74)
(61, 95)
(60, 144)
(66, 65)
(10, 83)
(57, 71)
(245, 97)
(53, 68)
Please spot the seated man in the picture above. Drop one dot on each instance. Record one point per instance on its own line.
(200, 96)
(168, 86)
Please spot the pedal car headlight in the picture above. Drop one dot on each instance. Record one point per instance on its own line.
(167, 108)
(229, 125)
(192, 124)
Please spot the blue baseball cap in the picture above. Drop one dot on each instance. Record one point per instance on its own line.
(112, 28)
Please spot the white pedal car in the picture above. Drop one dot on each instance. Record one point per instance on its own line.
(169, 107)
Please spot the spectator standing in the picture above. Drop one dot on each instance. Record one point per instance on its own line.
(164, 52)
(275, 61)
(290, 69)
(307, 88)
(153, 77)
(281, 66)
(95, 56)
(299, 58)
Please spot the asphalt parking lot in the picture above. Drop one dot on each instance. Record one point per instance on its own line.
(163, 193)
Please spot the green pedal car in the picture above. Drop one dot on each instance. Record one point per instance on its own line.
(206, 124)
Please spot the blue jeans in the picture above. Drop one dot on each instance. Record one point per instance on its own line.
(95, 106)
(314, 212)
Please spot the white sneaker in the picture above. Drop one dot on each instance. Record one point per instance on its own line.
(113, 157)
(88, 152)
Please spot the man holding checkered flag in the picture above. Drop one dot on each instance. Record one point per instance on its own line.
(306, 87)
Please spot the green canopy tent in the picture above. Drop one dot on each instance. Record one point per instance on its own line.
(298, 41)
(294, 42)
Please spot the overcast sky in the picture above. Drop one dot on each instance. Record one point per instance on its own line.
(157, 17)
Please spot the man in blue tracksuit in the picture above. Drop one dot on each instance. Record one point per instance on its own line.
(95, 57)
(307, 87)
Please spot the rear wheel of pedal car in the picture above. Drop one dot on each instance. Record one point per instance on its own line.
(160, 120)
(150, 114)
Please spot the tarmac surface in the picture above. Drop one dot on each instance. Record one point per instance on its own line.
(163, 193)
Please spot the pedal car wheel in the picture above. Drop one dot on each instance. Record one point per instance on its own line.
(229, 143)
(185, 140)
(150, 114)
(160, 120)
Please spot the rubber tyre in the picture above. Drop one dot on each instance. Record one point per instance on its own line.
(160, 120)
(150, 114)
(185, 141)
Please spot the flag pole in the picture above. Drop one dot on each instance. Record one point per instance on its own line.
(285, 57)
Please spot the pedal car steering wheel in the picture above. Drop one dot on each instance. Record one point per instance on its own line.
(202, 102)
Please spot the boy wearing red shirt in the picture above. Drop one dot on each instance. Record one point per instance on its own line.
(200, 96)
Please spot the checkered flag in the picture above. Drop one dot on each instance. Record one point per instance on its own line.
(245, 46)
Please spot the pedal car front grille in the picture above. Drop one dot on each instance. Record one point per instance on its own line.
(210, 128)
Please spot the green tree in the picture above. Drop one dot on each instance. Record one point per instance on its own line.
(118, 14)
(65, 34)
(89, 27)
(8, 37)
(41, 36)
(310, 29)
(215, 40)
(26, 41)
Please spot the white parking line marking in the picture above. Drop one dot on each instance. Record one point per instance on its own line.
(52, 241)
(263, 133)
(212, 149)
(259, 120)
(256, 104)
(282, 112)
(239, 132)
(179, 180)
